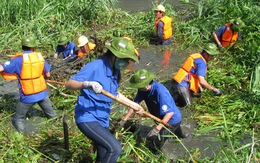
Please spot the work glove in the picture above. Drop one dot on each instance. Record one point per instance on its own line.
(95, 86)
(121, 124)
(153, 132)
(217, 92)
(220, 46)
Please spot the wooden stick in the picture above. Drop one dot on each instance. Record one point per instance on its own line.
(66, 132)
(134, 107)
(55, 82)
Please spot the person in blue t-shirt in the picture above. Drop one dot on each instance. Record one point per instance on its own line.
(228, 34)
(66, 48)
(159, 103)
(93, 109)
(190, 78)
(31, 83)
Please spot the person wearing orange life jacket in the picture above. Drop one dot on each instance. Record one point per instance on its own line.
(163, 25)
(29, 68)
(191, 76)
(85, 46)
(228, 34)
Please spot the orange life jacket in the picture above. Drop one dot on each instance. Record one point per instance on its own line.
(31, 78)
(185, 70)
(167, 28)
(229, 37)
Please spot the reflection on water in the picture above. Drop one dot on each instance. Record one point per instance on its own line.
(160, 60)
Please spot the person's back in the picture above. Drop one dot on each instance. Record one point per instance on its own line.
(30, 69)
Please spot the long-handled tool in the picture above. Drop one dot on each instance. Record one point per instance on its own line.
(108, 94)
(55, 82)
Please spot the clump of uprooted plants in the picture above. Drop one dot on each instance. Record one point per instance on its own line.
(233, 116)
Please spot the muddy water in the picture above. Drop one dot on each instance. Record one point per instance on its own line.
(144, 5)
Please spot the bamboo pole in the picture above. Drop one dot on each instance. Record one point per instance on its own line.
(108, 94)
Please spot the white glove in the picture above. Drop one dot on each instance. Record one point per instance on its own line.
(217, 91)
(95, 86)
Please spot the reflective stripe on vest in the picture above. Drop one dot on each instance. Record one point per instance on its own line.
(185, 70)
(229, 37)
(167, 26)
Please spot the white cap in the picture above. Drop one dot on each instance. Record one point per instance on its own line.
(83, 40)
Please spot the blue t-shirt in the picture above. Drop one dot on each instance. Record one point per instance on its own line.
(221, 31)
(14, 66)
(159, 102)
(200, 70)
(91, 106)
(69, 50)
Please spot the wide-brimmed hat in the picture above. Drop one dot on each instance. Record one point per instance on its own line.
(211, 49)
(141, 79)
(29, 41)
(238, 22)
(63, 40)
(122, 48)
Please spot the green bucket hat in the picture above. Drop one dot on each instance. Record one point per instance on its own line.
(63, 40)
(211, 49)
(29, 41)
(141, 79)
(123, 48)
(238, 22)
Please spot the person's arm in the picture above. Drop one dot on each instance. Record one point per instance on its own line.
(204, 83)
(55, 55)
(47, 68)
(1, 68)
(160, 32)
(48, 74)
(165, 120)
(217, 40)
(74, 85)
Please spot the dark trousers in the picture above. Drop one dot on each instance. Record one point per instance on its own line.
(182, 95)
(108, 147)
(23, 108)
